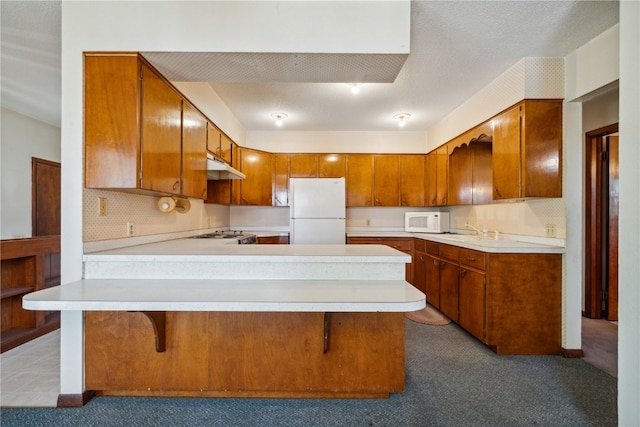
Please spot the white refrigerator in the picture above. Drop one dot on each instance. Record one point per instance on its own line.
(317, 211)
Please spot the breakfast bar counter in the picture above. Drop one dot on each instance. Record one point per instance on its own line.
(193, 318)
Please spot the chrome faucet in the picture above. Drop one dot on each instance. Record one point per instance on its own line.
(484, 231)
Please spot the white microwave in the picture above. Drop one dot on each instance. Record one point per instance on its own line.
(426, 222)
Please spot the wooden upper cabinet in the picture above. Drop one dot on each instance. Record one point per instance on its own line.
(470, 177)
(111, 128)
(226, 148)
(194, 152)
(213, 139)
(359, 180)
(134, 130)
(460, 172)
(481, 150)
(256, 188)
(386, 185)
(161, 134)
(431, 177)
(442, 171)
(303, 166)
(332, 166)
(527, 150)
(281, 180)
(412, 179)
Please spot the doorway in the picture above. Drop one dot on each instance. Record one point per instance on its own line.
(601, 223)
(45, 197)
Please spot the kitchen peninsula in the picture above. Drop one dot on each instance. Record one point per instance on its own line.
(191, 318)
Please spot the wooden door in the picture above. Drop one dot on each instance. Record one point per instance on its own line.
(506, 155)
(303, 165)
(386, 183)
(431, 177)
(161, 135)
(194, 153)
(45, 197)
(432, 280)
(601, 224)
(281, 180)
(332, 166)
(472, 302)
(442, 171)
(213, 139)
(412, 179)
(359, 180)
(449, 292)
(420, 271)
(226, 148)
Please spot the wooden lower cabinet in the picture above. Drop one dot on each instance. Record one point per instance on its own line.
(246, 354)
(273, 240)
(509, 301)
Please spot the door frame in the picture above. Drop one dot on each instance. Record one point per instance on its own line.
(594, 201)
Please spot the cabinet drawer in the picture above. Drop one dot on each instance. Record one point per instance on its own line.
(450, 252)
(473, 259)
(432, 248)
(420, 245)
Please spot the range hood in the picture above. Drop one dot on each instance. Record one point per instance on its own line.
(217, 169)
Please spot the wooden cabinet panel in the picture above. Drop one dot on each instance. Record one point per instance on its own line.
(332, 166)
(281, 180)
(482, 185)
(431, 179)
(303, 166)
(442, 171)
(359, 180)
(226, 148)
(214, 136)
(256, 188)
(386, 185)
(432, 280)
(111, 130)
(420, 260)
(473, 259)
(161, 135)
(273, 240)
(412, 179)
(472, 302)
(194, 153)
(506, 155)
(460, 179)
(449, 292)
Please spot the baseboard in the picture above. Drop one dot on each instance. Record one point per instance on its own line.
(75, 400)
(569, 353)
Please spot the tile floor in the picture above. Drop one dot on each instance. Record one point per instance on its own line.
(30, 373)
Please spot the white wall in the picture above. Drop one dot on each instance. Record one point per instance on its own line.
(629, 248)
(22, 138)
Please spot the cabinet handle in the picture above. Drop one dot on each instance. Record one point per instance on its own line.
(498, 193)
(176, 185)
(204, 193)
(463, 273)
(421, 258)
(442, 265)
(471, 259)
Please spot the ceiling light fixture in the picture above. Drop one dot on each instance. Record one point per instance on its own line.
(355, 89)
(279, 117)
(402, 118)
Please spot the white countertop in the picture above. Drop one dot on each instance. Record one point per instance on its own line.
(230, 295)
(506, 244)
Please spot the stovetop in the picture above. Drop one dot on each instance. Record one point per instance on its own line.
(240, 236)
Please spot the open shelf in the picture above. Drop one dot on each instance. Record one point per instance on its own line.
(10, 292)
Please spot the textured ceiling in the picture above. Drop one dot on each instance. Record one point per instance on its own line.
(456, 49)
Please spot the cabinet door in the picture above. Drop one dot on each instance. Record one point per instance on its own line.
(256, 188)
(386, 183)
(359, 180)
(481, 151)
(332, 166)
(431, 179)
(281, 180)
(412, 179)
(506, 155)
(460, 173)
(111, 128)
(449, 292)
(420, 260)
(213, 139)
(226, 147)
(432, 280)
(472, 302)
(161, 135)
(442, 170)
(194, 153)
(303, 165)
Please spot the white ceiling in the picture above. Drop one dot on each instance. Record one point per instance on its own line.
(457, 47)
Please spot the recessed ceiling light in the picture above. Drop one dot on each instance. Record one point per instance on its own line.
(355, 89)
(402, 118)
(279, 117)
